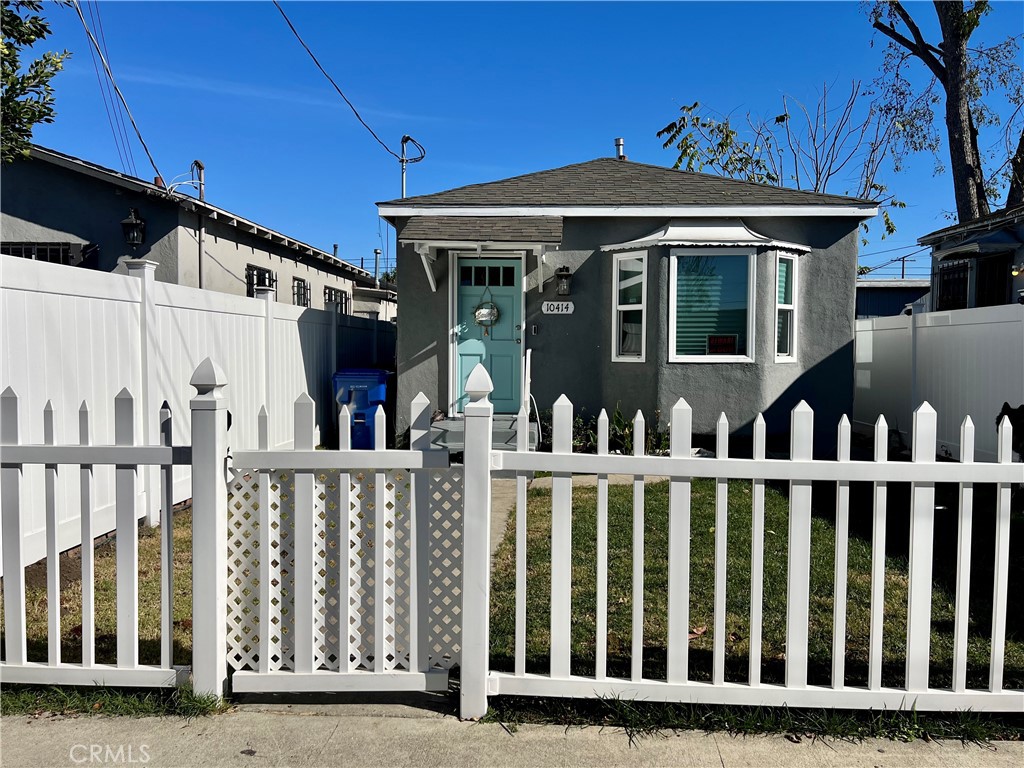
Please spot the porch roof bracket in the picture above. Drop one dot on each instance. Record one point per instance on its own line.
(424, 251)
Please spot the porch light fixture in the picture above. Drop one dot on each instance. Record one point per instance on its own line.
(1016, 269)
(563, 281)
(134, 228)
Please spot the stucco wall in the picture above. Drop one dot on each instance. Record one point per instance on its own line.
(572, 353)
(422, 348)
(42, 202)
(228, 251)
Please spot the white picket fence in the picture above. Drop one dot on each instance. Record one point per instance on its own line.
(967, 362)
(127, 458)
(276, 599)
(71, 335)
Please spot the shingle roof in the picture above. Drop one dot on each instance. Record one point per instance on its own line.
(504, 229)
(611, 182)
(980, 224)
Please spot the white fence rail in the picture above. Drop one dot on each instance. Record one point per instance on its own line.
(966, 362)
(333, 570)
(70, 335)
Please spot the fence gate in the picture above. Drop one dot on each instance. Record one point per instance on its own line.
(343, 577)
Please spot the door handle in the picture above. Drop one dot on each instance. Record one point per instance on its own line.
(519, 341)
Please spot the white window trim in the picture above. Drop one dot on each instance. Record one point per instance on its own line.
(674, 254)
(642, 306)
(792, 357)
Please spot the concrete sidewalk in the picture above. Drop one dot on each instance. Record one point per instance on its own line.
(394, 735)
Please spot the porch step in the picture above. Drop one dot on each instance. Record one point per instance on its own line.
(451, 434)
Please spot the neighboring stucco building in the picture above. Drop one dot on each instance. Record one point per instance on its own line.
(737, 296)
(979, 263)
(60, 208)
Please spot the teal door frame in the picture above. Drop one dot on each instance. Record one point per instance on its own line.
(465, 334)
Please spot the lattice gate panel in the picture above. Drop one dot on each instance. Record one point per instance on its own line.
(361, 572)
(344, 524)
(444, 606)
(246, 638)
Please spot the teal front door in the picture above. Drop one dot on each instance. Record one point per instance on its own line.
(489, 326)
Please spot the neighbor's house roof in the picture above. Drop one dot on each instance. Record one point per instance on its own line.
(987, 223)
(893, 283)
(612, 187)
(191, 204)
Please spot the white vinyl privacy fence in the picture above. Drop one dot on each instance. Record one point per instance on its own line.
(70, 336)
(966, 362)
(322, 570)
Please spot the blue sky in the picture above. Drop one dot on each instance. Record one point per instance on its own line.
(490, 89)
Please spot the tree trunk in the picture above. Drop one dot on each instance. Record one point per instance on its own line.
(965, 165)
(1015, 196)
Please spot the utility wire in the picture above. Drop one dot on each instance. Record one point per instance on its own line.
(95, 13)
(113, 82)
(331, 81)
(102, 84)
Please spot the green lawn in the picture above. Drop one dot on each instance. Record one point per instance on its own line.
(701, 597)
(105, 582)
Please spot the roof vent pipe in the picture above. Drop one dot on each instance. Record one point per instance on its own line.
(620, 149)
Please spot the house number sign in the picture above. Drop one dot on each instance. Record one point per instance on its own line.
(557, 307)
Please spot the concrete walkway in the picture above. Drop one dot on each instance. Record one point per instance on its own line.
(258, 736)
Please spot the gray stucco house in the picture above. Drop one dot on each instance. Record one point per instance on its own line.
(60, 208)
(979, 263)
(737, 296)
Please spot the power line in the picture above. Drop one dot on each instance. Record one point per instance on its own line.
(95, 13)
(113, 82)
(106, 108)
(331, 81)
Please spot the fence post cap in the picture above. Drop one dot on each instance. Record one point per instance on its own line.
(140, 265)
(208, 381)
(479, 383)
(9, 393)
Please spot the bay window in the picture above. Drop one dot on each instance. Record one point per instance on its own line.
(711, 303)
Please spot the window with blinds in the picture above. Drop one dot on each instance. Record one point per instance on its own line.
(785, 309)
(711, 295)
(629, 307)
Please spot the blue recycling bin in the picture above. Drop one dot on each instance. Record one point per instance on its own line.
(362, 389)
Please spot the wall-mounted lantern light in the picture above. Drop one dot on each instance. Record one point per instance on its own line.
(134, 228)
(563, 281)
(1016, 269)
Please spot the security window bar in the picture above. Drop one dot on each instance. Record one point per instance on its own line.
(953, 280)
(629, 307)
(785, 308)
(711, 292)
(300, 292)
(69, 254)
(337, 296)
(258, 277)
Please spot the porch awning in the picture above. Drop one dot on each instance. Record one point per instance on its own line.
(998, 241)
(704, 232)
